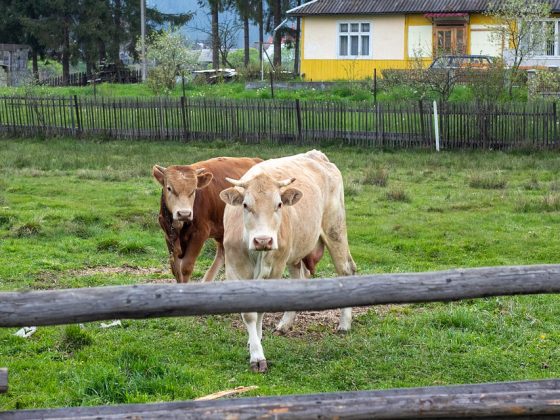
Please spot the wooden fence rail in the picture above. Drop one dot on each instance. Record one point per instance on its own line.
(488, 401)
(3, 380)
(148, 301)
(491, 401)
(387, 125)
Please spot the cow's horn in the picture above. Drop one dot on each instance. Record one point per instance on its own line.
(285, 182)
(199, 171)
(236, 182)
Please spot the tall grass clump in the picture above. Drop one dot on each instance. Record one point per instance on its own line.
(73, 339)
(548, 203)
(487, 181)
(398, 195)
(375, 176)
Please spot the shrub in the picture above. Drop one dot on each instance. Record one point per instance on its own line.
(543, 81)
(251, 72)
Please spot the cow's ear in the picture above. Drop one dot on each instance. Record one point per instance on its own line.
(291, 196)
(203, 180)
(159, 174)
(232, 196)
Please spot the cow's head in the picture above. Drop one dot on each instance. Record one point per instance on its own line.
(179, 189)
(262, 199)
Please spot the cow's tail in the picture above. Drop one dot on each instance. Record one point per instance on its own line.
(317, 155)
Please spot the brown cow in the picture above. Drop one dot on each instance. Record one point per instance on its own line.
(191, 210)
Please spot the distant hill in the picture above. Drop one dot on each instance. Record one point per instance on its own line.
(200, 20)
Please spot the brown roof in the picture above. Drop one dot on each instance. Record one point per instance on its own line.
(13, 47)
(384, 7)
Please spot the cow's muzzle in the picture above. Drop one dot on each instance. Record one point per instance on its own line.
(263, 243)
(184, 215)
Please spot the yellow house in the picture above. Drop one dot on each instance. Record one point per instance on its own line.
(348, 39)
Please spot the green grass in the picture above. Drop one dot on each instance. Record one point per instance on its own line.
(79, 213)
(360, 91)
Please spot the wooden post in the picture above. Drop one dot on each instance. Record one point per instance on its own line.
(184, 116)
(77, 108)
(375, 85)
(3, 380)
(555, 123)
(271, 84)
(422, 128)
(298, 115)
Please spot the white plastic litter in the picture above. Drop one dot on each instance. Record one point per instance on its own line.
(26, 332)
(116, 323)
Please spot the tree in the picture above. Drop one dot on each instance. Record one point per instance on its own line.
(170, 53)
(247, 10)
(520, 24)
(228, 31)
(216, 6)
(277, 35)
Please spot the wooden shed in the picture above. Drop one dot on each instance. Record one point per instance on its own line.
(13, 64)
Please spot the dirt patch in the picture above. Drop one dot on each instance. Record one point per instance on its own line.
(307, 323)
(125, 269)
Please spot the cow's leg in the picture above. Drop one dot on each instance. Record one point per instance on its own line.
(252, 320)
(336, 240)
(296, 272)
(257, 360)
(260, 317)
(216, 264)
(194, 246)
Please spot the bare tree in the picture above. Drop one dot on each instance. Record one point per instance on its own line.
(228, 32)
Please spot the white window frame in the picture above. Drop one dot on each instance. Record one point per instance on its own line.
(360, 34)
(556, 54)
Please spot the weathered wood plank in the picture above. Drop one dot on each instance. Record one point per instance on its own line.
(148, 301)
(3, 380)
(501, 400)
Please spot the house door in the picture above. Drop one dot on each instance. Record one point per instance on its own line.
(449, 40)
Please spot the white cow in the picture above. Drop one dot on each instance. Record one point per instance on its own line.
(278, 214)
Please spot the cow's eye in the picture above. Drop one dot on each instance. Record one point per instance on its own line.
(169, 189)
(279, 206)
(245, 206)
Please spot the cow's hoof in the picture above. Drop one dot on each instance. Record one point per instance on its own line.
(281, 331)
(342, 331)
(259, 367)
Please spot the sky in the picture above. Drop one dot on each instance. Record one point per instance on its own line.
(200, 20)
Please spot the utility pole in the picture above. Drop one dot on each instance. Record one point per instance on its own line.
(143, 36)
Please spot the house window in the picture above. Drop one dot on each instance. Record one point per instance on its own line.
(354, 39)
(551, 47)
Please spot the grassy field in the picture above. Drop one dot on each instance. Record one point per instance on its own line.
(83, 213)
(343, 91)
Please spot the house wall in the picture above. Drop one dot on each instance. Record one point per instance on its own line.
(320, 47)
(396, 40)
